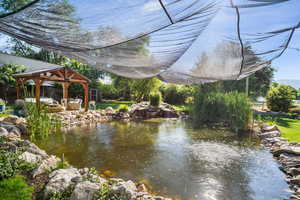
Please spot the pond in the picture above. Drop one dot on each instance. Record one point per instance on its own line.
(175, 159)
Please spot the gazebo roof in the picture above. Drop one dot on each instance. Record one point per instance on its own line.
(58, 74)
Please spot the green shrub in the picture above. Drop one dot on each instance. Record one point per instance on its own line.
(176, 94)
(15, 189)
(232, 109)
(123, 108)
(189, 100)
(280, 98)
(105, 193)
(108, 91)
(10, 165)
(63, 195)
(155, 99)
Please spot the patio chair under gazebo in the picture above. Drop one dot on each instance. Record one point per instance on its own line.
(64, 75)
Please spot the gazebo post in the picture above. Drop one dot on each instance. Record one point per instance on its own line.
(18, 89)
(38, 84)
(86, 95)
(65, 89)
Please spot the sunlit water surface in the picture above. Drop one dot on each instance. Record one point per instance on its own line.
(176, 159)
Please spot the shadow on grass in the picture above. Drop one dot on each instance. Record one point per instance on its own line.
(284, 122)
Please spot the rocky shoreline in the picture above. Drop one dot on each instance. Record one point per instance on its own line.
(140, 111)
(52, 178)
(286, 153)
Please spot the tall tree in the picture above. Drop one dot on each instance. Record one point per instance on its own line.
(6, 77)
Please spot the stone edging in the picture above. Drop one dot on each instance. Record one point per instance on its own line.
(286, 153)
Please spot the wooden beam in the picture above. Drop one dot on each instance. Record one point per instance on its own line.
(48, 78)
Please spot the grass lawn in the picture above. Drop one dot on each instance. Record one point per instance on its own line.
(4, 114)
(182, 108)
(114, 104)
(290, 128)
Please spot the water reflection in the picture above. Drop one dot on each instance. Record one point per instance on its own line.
(176, 159)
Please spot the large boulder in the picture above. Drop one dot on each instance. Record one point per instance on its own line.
(125, 190)
(30, 157)
(46, 165)
(85, 191)
(32, 148)
(145, 111)
(60, 180)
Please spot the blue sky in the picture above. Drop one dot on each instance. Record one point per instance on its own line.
(288, 65)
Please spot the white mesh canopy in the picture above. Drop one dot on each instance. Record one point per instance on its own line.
(180, 41)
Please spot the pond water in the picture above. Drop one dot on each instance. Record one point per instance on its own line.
(175, 159)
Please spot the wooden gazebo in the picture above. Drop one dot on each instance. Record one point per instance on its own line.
(64, 75)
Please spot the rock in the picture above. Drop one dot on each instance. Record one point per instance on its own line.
(85, 191)
(287, 149)
(294, 171)
(32, 148)
(295, 180)
(3, 132)
(109, 110)
(30, 157)
(145, 111)
(15, 131)
(60, 180)
(77, 179)
(270, 134)
(125, 190)
(142, 188)
(22, 128)
(46, 164)
(13, 119)
(267, 128)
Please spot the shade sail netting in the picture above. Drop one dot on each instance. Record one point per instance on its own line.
(180, 41)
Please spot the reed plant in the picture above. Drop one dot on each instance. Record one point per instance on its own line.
(231, 109)
(40, 123)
